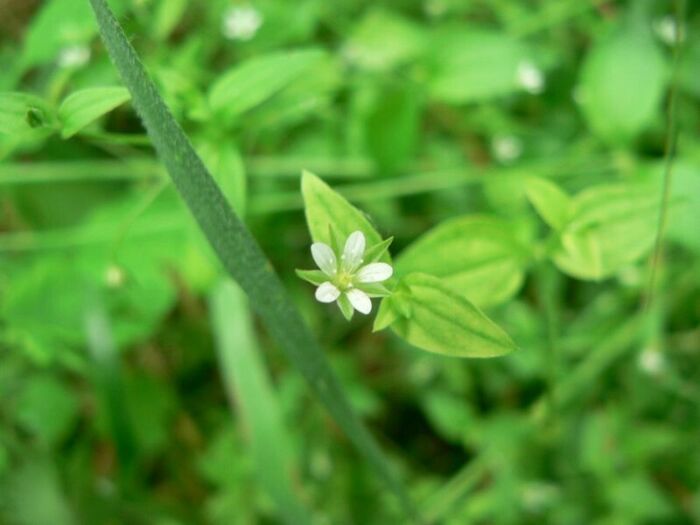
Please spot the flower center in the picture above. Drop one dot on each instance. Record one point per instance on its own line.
(343, 280)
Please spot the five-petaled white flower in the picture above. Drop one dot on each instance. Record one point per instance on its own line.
(348, 280)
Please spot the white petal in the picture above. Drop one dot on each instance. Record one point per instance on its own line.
(324, 258)
(354, 250)
(374, 273)
(327, 293)
(359, 300)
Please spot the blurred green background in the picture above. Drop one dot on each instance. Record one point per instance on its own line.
(119, 402)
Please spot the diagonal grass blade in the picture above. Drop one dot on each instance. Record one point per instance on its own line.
(248, 387)
(237, 248)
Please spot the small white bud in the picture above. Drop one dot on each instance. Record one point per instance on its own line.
(114, 276)
(435, 8)
(667, 30)
(506, 148)
(652, 361)
(241, 23)
(73, 56)
(530, 77)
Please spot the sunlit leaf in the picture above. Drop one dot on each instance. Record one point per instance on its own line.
(622, 82)
(252, 82)
(476, 256)
(83, 107)
(431, 316)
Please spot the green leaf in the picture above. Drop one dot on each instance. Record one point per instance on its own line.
(622, 82)
(83, 107)
(238, 250)
(47, 409)
(254, 81)
(33, 493)
(444, 322)
(326, 208)
(25, 114)
(685, 193)
(392, 126)
(251, 392)
(471, 66)
(383, 40)
(226, 166)
(167, 16)
(550, 201)
(387, 313)
(611, 227)
(316, 277)
(375, 252)
(59, 24)
(476, 256)
(374, 289)
(345, 307)
(579, 255)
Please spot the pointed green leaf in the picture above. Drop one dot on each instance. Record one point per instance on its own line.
(611, 226)
(316, 277)
(254, 81)
(444, 322)
(579, 255)
(324, 207)
(83, 107)
(345, 306)
(375, 289)
(376, 252)
(476, 256)
(23, 113)
(471, 65)
(550, 201)
(622, 83)
(226, 166)
(250, 391)
(387, 314)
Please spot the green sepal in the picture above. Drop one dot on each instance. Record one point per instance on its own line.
(375, 252)
(386, 315)
(316, 277)
(345, 306)
(375, 289)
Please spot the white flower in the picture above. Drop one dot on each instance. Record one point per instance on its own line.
(507, 148)
(348, 279)
(652, 361)
(241, 23)
(668, 31)
(73, 56)
(530, 77)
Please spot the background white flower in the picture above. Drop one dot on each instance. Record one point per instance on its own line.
(241, 23)
(347, 280)
(530, 77)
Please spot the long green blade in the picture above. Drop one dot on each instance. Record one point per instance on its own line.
(248, 387)
(236, 247)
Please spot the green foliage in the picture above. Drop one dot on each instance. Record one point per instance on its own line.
(550, 201)
(47, 410)
(24, 114)
(622, 83)
(254, 81)
(430, 315)
(509, 160)
(236, 247)
(611, 226)
(473, 65)
(247, 382)
(477, 257)
(83, 107)
(325, 208)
